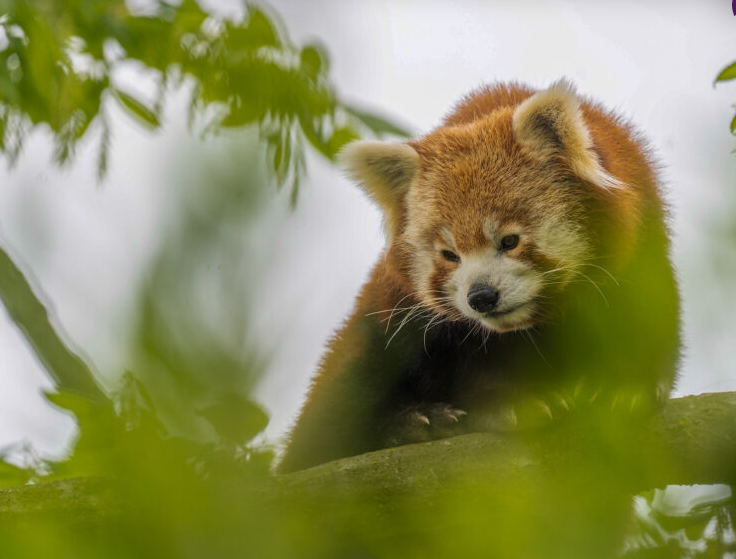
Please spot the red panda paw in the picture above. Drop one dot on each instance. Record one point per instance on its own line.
(425, 422)
(636, 400)
(531, 411)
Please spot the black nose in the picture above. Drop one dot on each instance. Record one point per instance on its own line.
(483, 298)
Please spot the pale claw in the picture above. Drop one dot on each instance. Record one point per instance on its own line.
(635, 401)
(616, 398)
(662, 392)
(424, 422)
(563, 403)
(544, 407)
(510, 413)
(453, 413)
(421, 417)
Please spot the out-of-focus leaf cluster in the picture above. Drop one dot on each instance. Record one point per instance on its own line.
(58, 61)
(178, 431)
(184, 409)
(727, 74)
(667, 525)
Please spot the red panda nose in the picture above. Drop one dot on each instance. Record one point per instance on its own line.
(483, 298)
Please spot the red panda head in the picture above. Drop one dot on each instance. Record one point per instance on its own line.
(494, 217)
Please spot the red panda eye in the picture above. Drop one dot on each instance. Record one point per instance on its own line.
(451, 256)
(509, 242)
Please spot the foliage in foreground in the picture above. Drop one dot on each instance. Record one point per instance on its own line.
(179, 440)
(64, 61)
(728, 73)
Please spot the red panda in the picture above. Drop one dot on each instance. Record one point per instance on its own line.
(526, 273)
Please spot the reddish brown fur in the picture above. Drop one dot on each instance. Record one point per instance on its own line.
(484, 171)
(485, 118)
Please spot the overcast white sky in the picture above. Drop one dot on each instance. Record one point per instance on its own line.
(85, 244)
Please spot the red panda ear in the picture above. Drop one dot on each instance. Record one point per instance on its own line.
(550, 122)
(384, 171)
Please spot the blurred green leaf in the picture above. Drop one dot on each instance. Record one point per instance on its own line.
(235, 418)
(314, 59)
(11, 475)
(377, 124)
(96, 450)
(240, 114)
(67, 369)
(134, 406)
(733, 125)
(258, 31)
(247, 70)
(728, 73)
(138, 109)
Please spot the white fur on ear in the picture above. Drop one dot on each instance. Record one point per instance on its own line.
(551, 122)
(384, 170)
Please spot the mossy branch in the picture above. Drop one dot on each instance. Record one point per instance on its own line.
(692, 441)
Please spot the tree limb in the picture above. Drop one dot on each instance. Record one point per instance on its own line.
(692, 441)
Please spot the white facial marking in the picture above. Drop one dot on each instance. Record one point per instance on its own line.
(448, 239)
(494, 232)
(515, 281)
(490, 229)
(559, 238)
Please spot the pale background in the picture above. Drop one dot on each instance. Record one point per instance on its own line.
(86, 244)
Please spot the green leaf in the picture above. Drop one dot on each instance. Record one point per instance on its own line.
(294, 194)
(139, 110)
(339, 139)
(244, 65)
(278, 152)
(69, 401)
(282, 155)
(377, 124)
(235, 418)
(240, 114)
(287, 149)
(11, 475)
(259, 29)
(67, 369)
(135, 406)
(313, 59)
(733, 125)
(728, 73)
